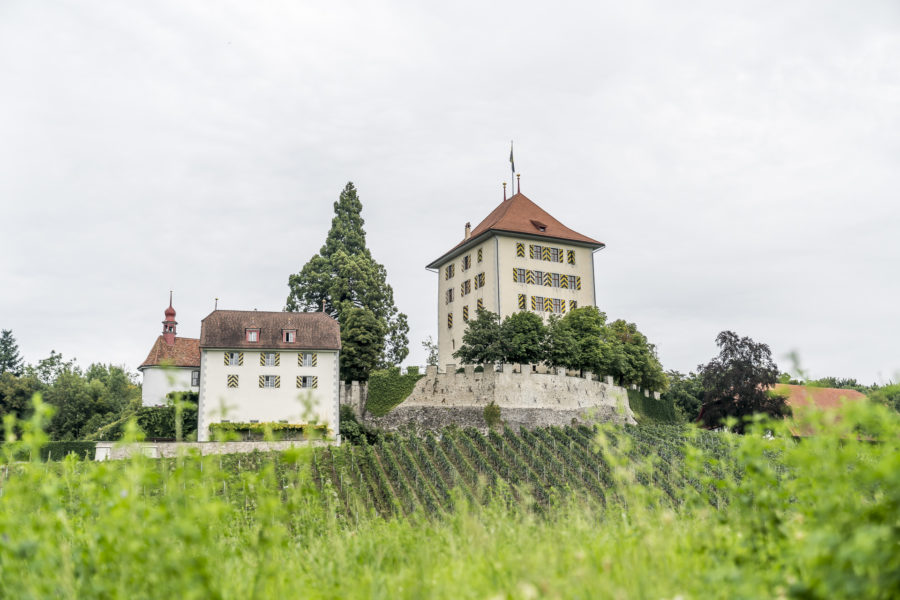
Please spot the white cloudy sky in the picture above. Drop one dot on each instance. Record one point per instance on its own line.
(740, 160)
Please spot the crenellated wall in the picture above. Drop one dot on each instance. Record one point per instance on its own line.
(526, 398)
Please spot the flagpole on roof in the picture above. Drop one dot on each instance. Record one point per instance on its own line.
(512, 167)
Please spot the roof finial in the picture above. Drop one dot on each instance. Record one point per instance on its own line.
(170, 297)
(323, 304)
(504, 191)
(518, 183)
(216, 307)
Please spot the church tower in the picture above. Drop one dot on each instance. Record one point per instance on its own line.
(518, 258)
(170, 324)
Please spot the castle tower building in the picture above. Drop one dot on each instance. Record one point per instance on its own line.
(518, 258)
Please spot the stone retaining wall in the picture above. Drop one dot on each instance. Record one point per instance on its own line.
(116, 451)
(527, 397)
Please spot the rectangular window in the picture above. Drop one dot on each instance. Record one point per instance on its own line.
(269, 381)
(448, 296)
(479, 280)
(290, 335)
(466, 262)
(449, 271)
(537, 303)
(556, 305)
(307, 359)
(554, 280)
(465, 287)
(252, 335)
(538, 277)
(269, 359)
(195, 378)
(466, 314)
(307, 381)
(234, 359)
(520, 275)
(232, 381)
(479, 255)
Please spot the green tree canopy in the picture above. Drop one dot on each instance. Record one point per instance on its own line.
(686, 393)
(10, 360)
(362, 342)
(342, 277)
(523, 338)
(481, 340)
(737, 382)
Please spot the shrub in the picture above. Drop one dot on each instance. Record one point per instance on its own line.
(281, 431)
(492, 415)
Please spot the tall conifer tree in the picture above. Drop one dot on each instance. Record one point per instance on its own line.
(10, 360)
(344, 276)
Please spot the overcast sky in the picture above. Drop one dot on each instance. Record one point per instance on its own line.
(740, 160)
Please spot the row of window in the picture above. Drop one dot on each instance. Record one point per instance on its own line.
(550, 253)
(274, 381)
(560, 280)
(538, 304)
(465, 263)
(542, 304)
(272, 359)
(288, 336)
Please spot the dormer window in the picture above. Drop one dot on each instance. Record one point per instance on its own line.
(252, 335)
(538, 225)
(289, 335)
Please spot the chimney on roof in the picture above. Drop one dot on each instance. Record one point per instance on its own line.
(468, 230)
(504, 191)
(518, 183)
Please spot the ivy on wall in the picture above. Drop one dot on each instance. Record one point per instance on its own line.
(650, 408)
(389, 388)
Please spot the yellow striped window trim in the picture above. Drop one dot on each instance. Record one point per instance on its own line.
(308, 359)
(570, 257)
(521, 301)
(520, 250)
(466, 313)
(232, 381)
(573, 304)
(270, 381)
(449, 320)
(480, 304)
(479, 255)
(577, 282)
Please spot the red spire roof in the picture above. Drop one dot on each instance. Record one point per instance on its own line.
(518, 214)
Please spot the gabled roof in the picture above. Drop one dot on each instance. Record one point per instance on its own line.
(822, 398)
(518, 214)
(185, 352)
(227, 329)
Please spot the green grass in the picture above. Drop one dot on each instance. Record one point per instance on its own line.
(662, 512)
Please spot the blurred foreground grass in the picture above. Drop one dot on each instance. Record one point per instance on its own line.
(755, 516)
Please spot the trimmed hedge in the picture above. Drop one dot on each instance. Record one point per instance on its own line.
(650, 408)
(281, 431)
(59, 450)
(389, 388)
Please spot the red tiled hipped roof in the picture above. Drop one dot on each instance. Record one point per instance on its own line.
(227, 329)
(518, 214)
(185, 352)
(822, 398)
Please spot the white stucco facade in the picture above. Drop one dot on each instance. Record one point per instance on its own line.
(246, 401)
(160, 380)
(501, 255)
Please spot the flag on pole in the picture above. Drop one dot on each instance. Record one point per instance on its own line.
(512, 166)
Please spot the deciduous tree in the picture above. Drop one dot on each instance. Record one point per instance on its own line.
(737, 382)
(523, 338)
(481, 340)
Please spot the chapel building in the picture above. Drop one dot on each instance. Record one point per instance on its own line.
(518, 258)
(268, 367)
(173, 364)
